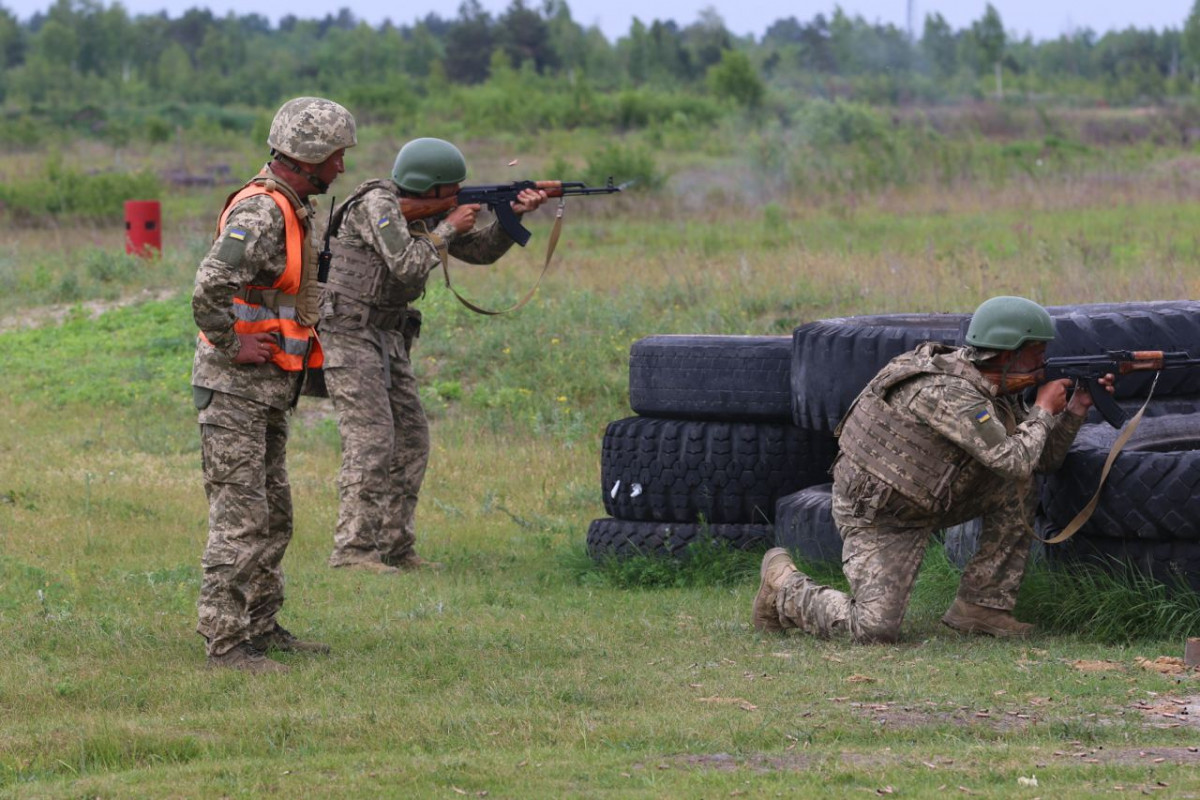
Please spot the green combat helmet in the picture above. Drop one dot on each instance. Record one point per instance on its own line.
(1006, 323)
(424, 163)
(311, 129)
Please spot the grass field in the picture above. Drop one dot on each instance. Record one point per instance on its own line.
(523, 670)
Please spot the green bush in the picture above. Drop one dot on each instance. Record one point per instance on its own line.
(67, 192)
(640, 108)
(68, 289)
(23, 131)
(108, 267)
(823, 124)
(157, 130)
(625, 164)
(736, 79)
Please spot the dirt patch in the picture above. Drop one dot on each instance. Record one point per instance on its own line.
(1158, 712)
(1148, 756)
(723, 762)
(895, 715)
(1165, 711)
(789, 761)
(55, 314)
(802, 762)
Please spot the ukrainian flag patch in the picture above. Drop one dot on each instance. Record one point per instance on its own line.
(233, 245)
(384, 222)
(983, 416)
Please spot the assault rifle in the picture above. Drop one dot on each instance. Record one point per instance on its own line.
(498, 197)
(1088, 370)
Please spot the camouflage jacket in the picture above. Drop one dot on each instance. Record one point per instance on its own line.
(381, 263)
(932, 427)
(250, 250)
(390, 265)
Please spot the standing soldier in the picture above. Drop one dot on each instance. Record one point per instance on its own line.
(380, 265)
(936, 438)
(255, 303)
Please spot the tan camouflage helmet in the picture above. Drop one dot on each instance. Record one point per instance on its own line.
(311, 129)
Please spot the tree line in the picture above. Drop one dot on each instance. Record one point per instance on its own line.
(84, 53)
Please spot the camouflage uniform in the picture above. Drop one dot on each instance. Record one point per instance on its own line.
(243, 432)
(985, 446)
(367, 329)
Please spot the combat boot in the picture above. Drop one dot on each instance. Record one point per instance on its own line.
(281, 639)
(413, 562)
(776, 567)
(247, 658)
(967, 617)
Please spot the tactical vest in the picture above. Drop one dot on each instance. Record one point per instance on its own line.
(360, 273)
(273, 309)
(894, 445)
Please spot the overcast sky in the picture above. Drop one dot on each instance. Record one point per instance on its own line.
(1043, 19)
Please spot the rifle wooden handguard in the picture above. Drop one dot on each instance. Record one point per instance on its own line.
(415, 208)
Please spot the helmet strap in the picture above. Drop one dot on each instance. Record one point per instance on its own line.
(320, 185)
(1021, 380)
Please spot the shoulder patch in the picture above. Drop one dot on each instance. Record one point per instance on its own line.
(232, 247)
(390, 233)
(986, 426)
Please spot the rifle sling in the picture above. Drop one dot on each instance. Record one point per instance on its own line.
(1085, 514)
(444, 256)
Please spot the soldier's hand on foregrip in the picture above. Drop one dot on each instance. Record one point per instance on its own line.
(463, 217)
(1052, 396)
(256, 348)
(528, 200)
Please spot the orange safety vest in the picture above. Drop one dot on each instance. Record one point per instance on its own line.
(297, 345)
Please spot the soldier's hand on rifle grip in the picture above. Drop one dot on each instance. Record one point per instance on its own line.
(528, 200)
(1052, 396)
(1081, 398)
(256, 348)
(463, 217)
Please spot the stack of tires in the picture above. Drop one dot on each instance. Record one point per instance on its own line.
(711, 450)
(734, 439)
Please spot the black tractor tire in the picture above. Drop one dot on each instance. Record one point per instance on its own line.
(1175, 563)
(666, 470)
(1157, 407)
(804, 524)
(1157, 325)
(961, 541)
(712, 377)
(619, 538)
(833, 359)
(1152, 492)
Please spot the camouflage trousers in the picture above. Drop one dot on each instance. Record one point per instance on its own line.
(385, 446)
(243, 445)
(882, 550)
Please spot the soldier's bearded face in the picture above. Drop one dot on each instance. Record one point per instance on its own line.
(330, 168)
(1030, 357)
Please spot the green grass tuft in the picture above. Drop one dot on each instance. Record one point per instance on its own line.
(1116, 604)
